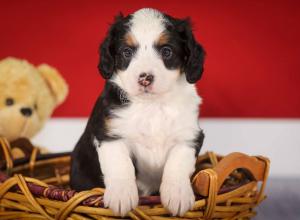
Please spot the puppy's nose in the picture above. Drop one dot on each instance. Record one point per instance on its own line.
(27, 112)
(145, 79)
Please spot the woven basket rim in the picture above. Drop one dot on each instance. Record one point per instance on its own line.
(205, 204)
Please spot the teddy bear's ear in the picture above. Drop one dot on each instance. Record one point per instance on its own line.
(56, 83)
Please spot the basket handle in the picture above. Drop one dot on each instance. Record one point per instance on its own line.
(255, 165)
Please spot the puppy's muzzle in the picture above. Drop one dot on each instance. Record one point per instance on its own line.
(145, 79)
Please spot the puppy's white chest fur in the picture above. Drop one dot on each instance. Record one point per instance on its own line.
(151, 128)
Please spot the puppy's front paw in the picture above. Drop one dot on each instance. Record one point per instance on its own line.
(121, 195)
(177, 196)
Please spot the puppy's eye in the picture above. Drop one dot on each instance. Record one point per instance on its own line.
(9, 101)
(127, 52)
(166, 52)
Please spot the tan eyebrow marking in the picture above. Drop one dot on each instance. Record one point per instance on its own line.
(163, 39)
(130, 40)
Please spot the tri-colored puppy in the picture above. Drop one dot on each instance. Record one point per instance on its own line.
(143, 135)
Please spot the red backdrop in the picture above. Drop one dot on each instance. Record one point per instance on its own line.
(252, 66)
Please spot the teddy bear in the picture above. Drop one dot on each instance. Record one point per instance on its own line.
(28, 96)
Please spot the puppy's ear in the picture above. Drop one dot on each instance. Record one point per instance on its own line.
(106, 64)
(194, 52)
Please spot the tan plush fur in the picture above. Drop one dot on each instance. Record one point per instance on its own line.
(40, 88)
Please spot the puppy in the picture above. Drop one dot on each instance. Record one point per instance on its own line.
(143, 134)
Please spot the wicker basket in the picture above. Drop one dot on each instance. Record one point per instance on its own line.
(36, 187)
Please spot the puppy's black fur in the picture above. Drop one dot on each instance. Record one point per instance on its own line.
(190, 54)
(85, 169)
(110, 59)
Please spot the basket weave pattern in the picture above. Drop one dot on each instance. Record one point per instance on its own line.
(225, 188)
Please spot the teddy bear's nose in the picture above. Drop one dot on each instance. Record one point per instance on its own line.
(27, 112)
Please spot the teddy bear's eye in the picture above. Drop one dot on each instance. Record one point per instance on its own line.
(9, 101)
